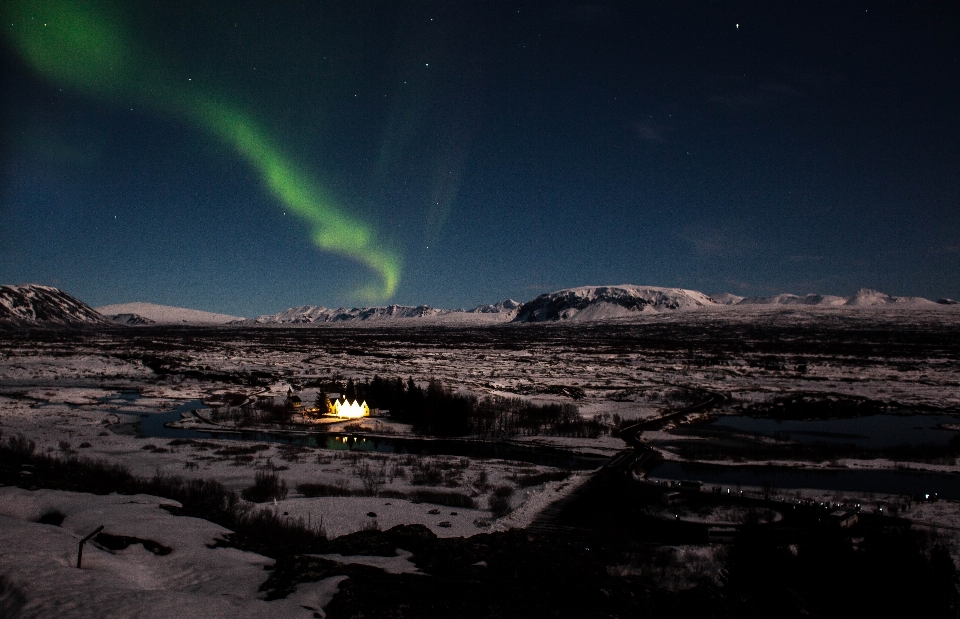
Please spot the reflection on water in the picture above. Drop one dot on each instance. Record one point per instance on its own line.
(946, 485)
(350, 442)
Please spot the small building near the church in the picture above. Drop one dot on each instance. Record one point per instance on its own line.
(844, 518)
(293, 402)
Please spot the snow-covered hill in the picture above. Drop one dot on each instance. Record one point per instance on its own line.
(503, 307)
(862, 298)
(317, 314)
(402, 314)
(605, 302)
(726, 298)
(793, 299)
(33, 304)
(867, 298)
(164, 314)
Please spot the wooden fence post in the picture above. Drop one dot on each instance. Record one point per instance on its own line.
(84, 541)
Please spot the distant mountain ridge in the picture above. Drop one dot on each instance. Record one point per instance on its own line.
(581, 304)
(318, 315)
(496, 308)
(39, 305)
(34, 304)
(140, 313)
(604, 302)
(865, 297)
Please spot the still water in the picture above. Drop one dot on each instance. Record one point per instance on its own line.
(946, 485)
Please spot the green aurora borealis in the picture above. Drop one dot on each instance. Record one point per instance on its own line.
(248, 157)
(78, 46)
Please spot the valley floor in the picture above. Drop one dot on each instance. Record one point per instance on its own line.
(88, 394)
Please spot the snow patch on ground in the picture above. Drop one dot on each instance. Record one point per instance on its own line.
(400, 564)
(194, 580)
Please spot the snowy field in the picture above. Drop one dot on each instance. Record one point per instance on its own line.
(83, 393)
(185, 578)
(57, 390)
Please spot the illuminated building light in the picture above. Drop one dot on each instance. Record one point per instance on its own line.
(350, 410)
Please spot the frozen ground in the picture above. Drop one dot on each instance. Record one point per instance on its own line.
(91, 423)
(191, 580)
(65, 392)
(54, 388)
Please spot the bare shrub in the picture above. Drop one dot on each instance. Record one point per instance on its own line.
(427, 473)
(318, 489)
(452, 478)
(372, 477)
(499, 501)
(66, 448)
(266, 486)
(481, 481)
(21, 445)
(292, 453)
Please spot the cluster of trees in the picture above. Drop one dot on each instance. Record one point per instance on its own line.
(439, 410)
(435, 409)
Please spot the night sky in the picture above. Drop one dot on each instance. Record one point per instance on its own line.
(246, 157)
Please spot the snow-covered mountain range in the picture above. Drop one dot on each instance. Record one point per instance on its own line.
(589, 303)
(862, 298)
(582, 304)
(150, 313)
(503, 311)
(44, 305)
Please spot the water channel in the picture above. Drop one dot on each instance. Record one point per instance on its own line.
(153, 426)
(946, 485)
